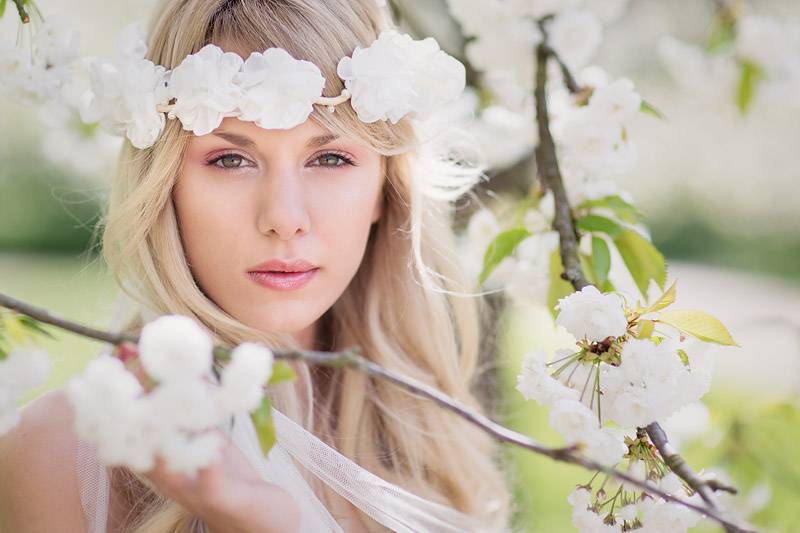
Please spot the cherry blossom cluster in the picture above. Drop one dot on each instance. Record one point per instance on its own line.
(176, 408)
(631, 366)
(43, 72)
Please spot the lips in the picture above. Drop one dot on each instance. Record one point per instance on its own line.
(283, 275)
(277, 265)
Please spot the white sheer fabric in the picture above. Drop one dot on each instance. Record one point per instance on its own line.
(388, 504)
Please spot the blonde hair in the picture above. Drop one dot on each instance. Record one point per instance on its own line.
(405, 306)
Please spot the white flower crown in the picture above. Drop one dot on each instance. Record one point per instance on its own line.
(395, 76)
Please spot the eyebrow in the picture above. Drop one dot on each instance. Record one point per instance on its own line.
(247, 142)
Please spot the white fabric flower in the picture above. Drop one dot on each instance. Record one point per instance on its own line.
(278, 91)
(204, 89)
(131, 43)
(397, 75)
(174, 347)
(123, 98)
(592, 315)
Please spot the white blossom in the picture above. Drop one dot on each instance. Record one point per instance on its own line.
(652, 383)
(572, 419)
(535, 382)
(204, 89)
(659, 516)
(769, 42)
(55, 43)
(617, 101)
(21, 370)
(278, 91)
(244, 377)
(583, 518)
(605, 446)
(175, 346)
(397, 75)
(180, 417)
(575, 35)
(592, 315)
(593, 145)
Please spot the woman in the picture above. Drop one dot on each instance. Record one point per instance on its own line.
(203, 225)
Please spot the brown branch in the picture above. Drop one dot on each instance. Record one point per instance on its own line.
(351, 358)
(44, 315)
(23, 13)
(550, 175)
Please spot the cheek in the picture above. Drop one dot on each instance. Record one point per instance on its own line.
(207, 219)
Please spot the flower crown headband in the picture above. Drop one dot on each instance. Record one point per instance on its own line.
(393, 77)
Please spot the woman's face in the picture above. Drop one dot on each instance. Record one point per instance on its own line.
(247, 195)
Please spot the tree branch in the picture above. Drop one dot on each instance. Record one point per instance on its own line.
(550, 175)
(351, 358)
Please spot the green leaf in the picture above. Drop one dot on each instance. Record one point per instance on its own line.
(648, 108)
(265, 427)
(601, 260)
(749, 75)
(34, 326)
(587, 267)
(616, 204)
(3, 353)
(665, 300)
(595, 223)
(501, 247)
(642, 259)
(722, 36)
(281, 371)
(559, 288)
(684, 356)
(698, 324)
(2, 8)
(646, 328)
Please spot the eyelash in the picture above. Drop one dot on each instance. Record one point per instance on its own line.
(213, 161)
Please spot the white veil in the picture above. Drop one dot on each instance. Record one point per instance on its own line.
(388, 504)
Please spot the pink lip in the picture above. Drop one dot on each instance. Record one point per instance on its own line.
(283, 281)
(276, 265)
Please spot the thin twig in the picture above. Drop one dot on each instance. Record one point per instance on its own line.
(351, 358)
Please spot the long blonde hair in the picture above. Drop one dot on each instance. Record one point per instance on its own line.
(405, 307)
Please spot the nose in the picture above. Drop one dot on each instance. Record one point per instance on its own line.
(282, 206)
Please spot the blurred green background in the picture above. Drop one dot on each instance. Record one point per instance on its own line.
(719, 191)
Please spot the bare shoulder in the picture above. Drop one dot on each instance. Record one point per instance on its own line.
(40, 490)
